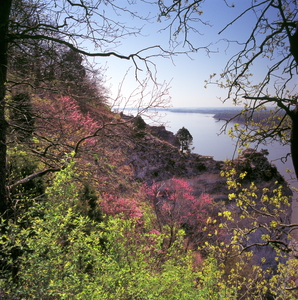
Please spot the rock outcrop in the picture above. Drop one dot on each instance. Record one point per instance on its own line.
(155, 157)
(165, 135)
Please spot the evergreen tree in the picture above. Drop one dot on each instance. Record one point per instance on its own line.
(184, 138)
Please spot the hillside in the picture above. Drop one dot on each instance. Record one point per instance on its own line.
(100, 197)
(155, 157)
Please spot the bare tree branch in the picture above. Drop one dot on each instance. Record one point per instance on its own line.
(33, 176)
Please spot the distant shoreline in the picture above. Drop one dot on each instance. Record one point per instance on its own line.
(205, 110)
(202, 110)
(219, 113)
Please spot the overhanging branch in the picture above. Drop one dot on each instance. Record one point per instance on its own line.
(33, 176)
(13, 37)
(278, 101)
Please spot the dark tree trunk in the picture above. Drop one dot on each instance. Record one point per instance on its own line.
(294, 113)
(4, 17)
(294, 139)
(294, 44)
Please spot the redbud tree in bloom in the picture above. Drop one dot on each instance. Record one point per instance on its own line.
(66, 123)
(176, 206)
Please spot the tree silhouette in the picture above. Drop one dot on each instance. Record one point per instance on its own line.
(184, 138)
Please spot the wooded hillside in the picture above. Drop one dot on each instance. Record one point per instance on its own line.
(98, 205)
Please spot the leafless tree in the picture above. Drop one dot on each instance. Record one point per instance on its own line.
(35, 31)
(272, 43)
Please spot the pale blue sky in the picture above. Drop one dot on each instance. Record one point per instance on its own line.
(186, 76)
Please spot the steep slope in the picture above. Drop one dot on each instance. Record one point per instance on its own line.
(115, 155)
(154, 157)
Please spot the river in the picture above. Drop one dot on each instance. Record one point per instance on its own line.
(207, 141)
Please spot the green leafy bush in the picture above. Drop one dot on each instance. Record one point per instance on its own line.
(66, 255)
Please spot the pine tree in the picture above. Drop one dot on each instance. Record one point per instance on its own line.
(184, 138)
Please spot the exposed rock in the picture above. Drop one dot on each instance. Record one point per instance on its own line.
(155, 158)
(163, 134)
(257, 166)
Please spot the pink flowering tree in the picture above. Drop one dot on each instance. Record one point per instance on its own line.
(64, 127)
(87, 127)
(176, 207)
(67, 124)
(125, 208)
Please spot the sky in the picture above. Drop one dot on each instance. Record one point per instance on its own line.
(184, 75)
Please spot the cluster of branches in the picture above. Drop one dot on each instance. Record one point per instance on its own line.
(272, 43)
(43, 46)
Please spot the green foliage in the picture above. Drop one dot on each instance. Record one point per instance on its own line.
(283, 285)
(260, 127)
(211, 283)
(61, 247)
(257, 223)
(62, 253)
(21, 164)
(66, 255)
(184, 138)
(89, 198)
(139, 126)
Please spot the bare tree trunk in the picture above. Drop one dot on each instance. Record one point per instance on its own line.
(294, 113)
(294, 139)
(4, 17)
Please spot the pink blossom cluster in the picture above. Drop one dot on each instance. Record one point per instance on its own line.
(122, 207)
(80, 122)
(175, 202)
